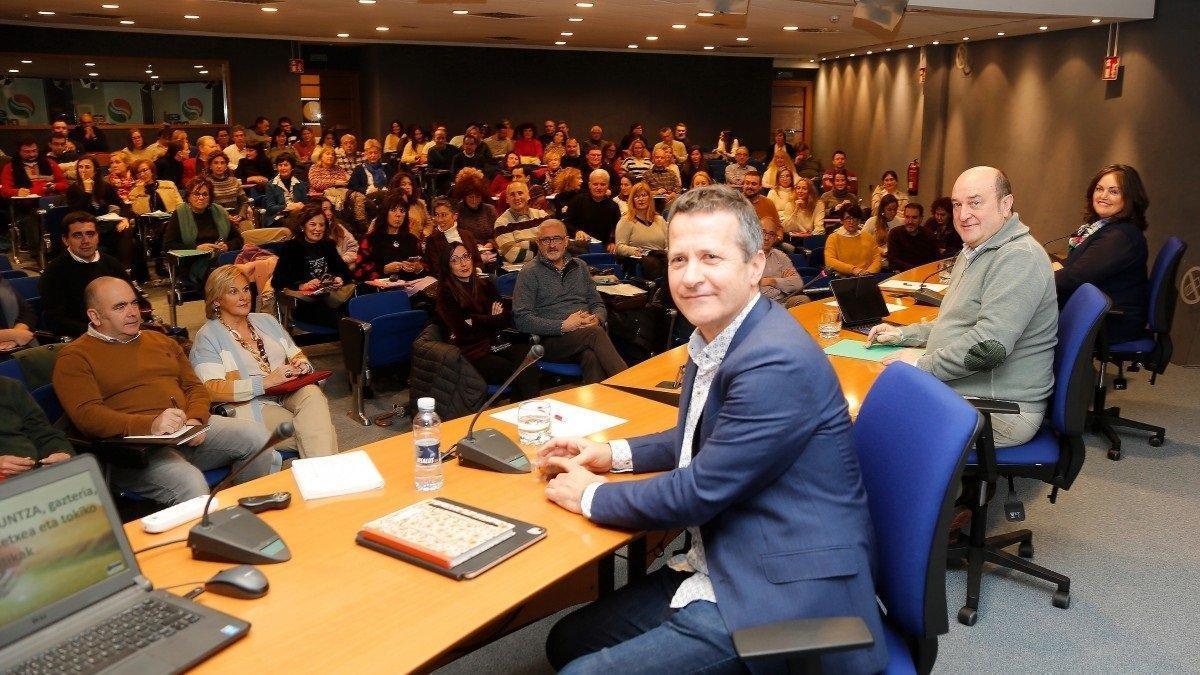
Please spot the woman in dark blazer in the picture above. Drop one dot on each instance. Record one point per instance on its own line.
(1109, 251)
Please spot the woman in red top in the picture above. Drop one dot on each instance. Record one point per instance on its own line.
(527, 144)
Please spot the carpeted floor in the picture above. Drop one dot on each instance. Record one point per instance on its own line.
(1126, 534)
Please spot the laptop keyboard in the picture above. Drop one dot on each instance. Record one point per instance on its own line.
(116, 638)
(861, 329)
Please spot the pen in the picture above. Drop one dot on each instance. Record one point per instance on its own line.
(559, 418)
(174, 403)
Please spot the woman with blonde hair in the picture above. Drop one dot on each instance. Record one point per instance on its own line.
(641, 230)
(783, 194)
(239, 354)
(700, 179)
(779, 162)
(808, 216)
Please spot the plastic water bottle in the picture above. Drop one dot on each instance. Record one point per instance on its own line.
(427, 438)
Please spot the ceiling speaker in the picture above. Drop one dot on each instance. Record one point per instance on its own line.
(883, 13)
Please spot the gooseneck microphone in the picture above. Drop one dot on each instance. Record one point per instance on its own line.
(488, 448)
(826, 272)
(235, 534)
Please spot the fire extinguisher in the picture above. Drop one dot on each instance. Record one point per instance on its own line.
(914, 176)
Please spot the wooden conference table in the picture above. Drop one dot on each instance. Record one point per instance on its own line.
(339, 607)
(856, 376)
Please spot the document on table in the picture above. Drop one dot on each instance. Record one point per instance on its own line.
(858, 349)
(909, 286)
(568, 420)
(891, 306)
(628, 290)
(334, 475)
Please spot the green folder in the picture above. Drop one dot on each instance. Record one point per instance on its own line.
(188, 252)
(858, 349)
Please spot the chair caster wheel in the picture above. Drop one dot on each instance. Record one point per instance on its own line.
(1114, 455)
(1061, 599)
(968, 616)
(1156, 441)
(1025, 550)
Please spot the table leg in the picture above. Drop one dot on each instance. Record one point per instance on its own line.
(637, 558)
(606, 574)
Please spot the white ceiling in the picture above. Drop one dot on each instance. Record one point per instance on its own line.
(607, 25)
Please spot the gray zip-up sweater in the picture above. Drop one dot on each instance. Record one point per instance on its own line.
(995, 333)
(544, 296)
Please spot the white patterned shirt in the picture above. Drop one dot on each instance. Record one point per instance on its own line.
(708, 357)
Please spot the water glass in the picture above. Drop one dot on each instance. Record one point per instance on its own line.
(830, 324)
(533, 422)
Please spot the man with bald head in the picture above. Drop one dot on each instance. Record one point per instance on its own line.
(996, 332)
(117, 380)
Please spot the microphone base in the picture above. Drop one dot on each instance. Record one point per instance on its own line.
(924, 296)
(237, 535)
(490, 450)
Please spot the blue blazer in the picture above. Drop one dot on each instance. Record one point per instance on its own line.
(774, 485)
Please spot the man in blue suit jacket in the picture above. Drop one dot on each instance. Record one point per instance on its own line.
(760, 468)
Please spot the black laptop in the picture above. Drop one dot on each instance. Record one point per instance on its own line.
(861, 303)
(72, 598)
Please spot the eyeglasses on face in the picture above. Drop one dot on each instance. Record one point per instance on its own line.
(455, 259)
(552, 241)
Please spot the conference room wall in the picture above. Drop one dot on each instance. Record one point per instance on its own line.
(458, 85)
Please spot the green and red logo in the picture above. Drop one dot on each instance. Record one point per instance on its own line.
(21, 106)
(193, 109)
(119, 110)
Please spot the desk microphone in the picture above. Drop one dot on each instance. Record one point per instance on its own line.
(235, 534)
(825, 273)
(487, 448)
(926, 296)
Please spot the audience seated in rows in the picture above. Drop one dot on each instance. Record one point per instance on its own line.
(594, 214)
(941, 225)
(239, 354)
(642, 233)
(516, 228)
(888, 185)
(310, 264)
(198, 224)
(849, 250)
(556, 299)
(911, 245)
(780, 281)
(838, 164)
(105, 398)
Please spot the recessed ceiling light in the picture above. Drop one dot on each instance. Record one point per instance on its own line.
(652, 38)
(459, 12)
(154, 77)
(1000, 34)
(705, 14)
(366, 2)
(911, 46)
(869, 52)
(46, 13)
(743, 38)
(823, 58)
(191, 16)
(149, 70)
(632, 46)
(1043, 27)
(812, 60)
(269, 9)
(93, 74)
(965, 38)
(1095, 20)
(111, 6)
(791, 27)
(853, 54)
(26, 61)
(575, 19)
(560, 42)
(204, 72)
(197, 67)
(937, 42)
(888, 49)
(679, 26)
(709, 47)
(566, 33)
(381, 29)
(13, 70)
(89, 64)
(127, 22)
(584, 5)
(343, 35)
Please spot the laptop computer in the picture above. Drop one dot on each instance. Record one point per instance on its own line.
(72, 598)
(861, 303)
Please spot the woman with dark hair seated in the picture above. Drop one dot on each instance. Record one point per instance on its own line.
(390, 249)
(475, 214)
(941, 225)
(255, 167)
(199, 224)
(309, 263)
(474, 314)
(695, 164)
(169, 167)
(279, 144)
(1109, 250)
(90, 192)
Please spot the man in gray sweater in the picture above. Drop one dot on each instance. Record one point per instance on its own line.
(997, 328)
(555, 298)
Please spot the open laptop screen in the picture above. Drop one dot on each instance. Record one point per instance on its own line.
(59, 546)
(860, 300)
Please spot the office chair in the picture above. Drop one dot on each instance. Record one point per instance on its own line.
(911, 473)
(1152, 352)
(379, 331)
(1055, 455)
(605, 263)
(506, 283)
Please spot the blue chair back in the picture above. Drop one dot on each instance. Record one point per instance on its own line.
(911, 470)
(12, 368)
(392, 336)
(1163, 291)
(799, 261)
(47, 400)
(813, 241)
(1079, 323)
(506, 283)
(52, 221)
(604, 261)
(227, 258)
(5, 263)
(27, 287)
(12, 274)
(816, 257)
(371, 305)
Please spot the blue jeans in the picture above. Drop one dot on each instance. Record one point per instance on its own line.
(635, 630)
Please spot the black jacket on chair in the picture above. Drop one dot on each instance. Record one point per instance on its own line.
(1113, 259)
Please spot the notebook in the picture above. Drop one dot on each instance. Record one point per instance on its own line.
(439, 532)
(185, 434)
(334, 475)
(296, 383)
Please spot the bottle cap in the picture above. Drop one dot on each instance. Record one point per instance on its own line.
(425, 403)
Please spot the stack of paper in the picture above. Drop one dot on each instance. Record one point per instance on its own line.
(335, 475)
(568, 420)
(628, 290)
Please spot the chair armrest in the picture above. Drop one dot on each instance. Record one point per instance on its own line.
(353, 333)
(993, 406)
(803, 638)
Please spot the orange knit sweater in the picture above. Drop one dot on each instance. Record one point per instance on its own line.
(844, 253)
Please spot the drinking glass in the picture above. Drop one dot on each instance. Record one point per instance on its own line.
(533, 422)
(830, 324)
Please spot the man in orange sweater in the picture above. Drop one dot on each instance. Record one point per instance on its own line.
(849, 250)
(116, 380)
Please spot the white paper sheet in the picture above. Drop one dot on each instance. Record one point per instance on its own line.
(901, 286)
(891, 306)
(569, 420)
(334, 475)
(621, 289)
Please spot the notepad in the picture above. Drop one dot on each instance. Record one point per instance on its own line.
(891, 306)
(185, 434)
(898, 286)
(568, 420)
(334, 475)
(625, 290)
(858, 349)
(188, 252)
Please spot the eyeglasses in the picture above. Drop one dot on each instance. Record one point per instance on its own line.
(455, 259)
(555, 240)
